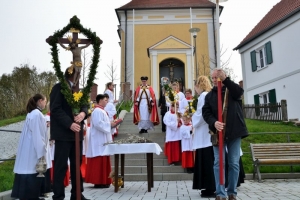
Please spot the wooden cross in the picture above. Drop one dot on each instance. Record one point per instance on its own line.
(67, 41)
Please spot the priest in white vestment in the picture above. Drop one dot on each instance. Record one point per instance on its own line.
(98, 164)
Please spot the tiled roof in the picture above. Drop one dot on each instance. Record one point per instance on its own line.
(160, 4)
(281, 11)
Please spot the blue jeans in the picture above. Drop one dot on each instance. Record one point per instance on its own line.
(233, 148)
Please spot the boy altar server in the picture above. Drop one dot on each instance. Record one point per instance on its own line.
(187, 143)
(98, 164)
(172, 144)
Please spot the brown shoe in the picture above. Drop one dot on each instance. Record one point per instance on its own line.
(220, 198)
(231, 197)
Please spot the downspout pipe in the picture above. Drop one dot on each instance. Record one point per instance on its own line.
(214, 31)
(125, 69)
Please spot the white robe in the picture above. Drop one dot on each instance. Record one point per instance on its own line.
(144, 122)
(32, 144)
(100, 133)
(111, 95)
(172, 131)
(201, 130)
(186, 138)
(111, 111)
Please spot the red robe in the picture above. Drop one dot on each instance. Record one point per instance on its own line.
(154, 114)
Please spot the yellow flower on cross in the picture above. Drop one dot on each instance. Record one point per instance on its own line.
(77, 96)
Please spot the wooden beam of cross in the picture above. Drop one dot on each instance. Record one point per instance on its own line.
(76, 63)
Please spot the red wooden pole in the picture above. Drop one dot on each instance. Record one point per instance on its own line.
(77, 165)
(220, 119)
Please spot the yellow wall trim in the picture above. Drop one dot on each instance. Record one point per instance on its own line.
(156, 17)
(203, 16)
(136, 17)
(182, 16)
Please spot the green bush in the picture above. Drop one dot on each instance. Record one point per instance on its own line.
(124, 105)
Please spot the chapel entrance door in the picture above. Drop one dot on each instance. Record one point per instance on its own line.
(174, 70)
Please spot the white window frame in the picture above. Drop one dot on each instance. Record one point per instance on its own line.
(261, 97)
(262, 50)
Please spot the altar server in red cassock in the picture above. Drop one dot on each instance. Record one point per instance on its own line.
(145, 108)
(172, 144)
(187, 143)
(98, 164)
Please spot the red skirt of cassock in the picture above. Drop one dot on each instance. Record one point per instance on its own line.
(83, 166)
(173, 151)
(187, 160)
(67, 177)
(98, 170)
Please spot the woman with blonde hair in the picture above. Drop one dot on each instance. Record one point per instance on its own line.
(204, 159)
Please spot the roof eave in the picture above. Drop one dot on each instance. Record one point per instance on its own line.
(162, 8)
(267, 29)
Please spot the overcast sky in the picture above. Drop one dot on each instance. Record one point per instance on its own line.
(25, 24)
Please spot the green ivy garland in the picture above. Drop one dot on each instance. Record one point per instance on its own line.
(96, 42)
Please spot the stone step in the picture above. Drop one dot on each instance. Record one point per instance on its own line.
(142, 162)
(159, 177)
(141, 156)
(156, 169)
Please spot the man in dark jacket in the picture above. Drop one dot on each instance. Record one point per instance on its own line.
(63, 128)
(234, 132)
(162, 104)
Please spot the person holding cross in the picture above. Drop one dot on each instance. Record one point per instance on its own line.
(76, 51)
(63, 128)
(235, 130)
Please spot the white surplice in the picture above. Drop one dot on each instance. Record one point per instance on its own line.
(201, 130)
(100, 133)
(111, 95)
(144, 97)
(172, 130)
(32, 143)
(186, 138)
(111, 111)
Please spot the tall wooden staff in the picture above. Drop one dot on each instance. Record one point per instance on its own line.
(220, 119)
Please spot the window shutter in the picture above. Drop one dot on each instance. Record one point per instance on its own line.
(273, 101)
(253, 60)
(256, 102)
(269, 52)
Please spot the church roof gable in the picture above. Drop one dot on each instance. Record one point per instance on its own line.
(167, 4)
(280, 12)
(171, 42)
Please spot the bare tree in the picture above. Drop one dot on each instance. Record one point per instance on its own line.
(111, 72)
(206, 67)
(86, 62)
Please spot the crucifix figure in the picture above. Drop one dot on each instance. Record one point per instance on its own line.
(73, 42)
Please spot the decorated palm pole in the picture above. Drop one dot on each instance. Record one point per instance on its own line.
(76, 99)
(220, 119)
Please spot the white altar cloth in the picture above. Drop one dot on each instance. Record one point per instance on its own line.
(111, 149)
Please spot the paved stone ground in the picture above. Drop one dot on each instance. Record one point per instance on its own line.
(9, 140)
(274, 189)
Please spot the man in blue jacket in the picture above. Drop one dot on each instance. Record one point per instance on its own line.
(234, 132)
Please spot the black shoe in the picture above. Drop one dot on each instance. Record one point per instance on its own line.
(74, 198)
(98, 186)
(141, 131)
(145, 131)
(190, 170)
(208, 193)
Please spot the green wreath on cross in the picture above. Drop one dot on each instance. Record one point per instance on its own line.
(96, 42)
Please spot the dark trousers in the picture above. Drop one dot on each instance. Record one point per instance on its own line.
(163, 125)
(63, 151)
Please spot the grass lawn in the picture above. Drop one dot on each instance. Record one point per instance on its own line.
(256, 127)
(6, 175)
